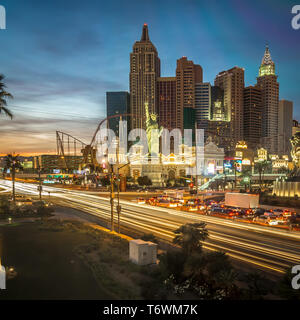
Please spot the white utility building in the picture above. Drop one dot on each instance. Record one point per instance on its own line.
(142, 252)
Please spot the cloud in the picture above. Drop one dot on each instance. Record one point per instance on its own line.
(32, 134)
(67, 44)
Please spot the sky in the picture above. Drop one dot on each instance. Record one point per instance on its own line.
(61, 56)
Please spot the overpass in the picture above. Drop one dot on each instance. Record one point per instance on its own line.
(269, 177)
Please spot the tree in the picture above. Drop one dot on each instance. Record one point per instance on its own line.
(144, 181)
(260, 167)
(217, 262)
(105, 181)
(283, 170)
(189, 237)
(4, 204)
(172, 264)
(246, 178)
(4, 95)
(258, 285)
(194, 266)
(12, 162)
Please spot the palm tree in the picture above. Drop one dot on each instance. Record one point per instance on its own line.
(246, 178)
(261, 167)
(4, 95)
(189, 237)
(12, 162)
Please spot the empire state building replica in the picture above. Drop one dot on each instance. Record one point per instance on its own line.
(144, 71)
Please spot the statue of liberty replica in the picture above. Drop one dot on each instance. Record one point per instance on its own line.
(153, 132)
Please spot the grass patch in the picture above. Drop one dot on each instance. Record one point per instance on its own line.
(69, 260)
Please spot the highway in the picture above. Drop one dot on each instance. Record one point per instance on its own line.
(265, 248)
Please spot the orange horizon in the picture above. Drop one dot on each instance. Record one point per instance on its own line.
(26, 154)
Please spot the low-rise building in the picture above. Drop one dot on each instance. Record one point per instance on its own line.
(51, 162)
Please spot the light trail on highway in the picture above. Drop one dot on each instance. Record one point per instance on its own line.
(264, 247)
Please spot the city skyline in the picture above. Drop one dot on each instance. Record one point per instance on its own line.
(149, 151)
(59, 96)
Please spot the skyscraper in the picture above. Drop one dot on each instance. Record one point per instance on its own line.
(187, 75)
(285, 125)
(202, 101)
(295, 127)
(117, 102)
(232, 82)
(166, 91)
(144, 71)
(220, 132)
(217, 104)
(219, 127)
(203, 105)
(267, 81)
(252, 116)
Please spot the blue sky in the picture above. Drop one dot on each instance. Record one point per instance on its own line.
(61, 56)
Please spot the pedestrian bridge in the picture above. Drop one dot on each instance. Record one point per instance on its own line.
(269, 177)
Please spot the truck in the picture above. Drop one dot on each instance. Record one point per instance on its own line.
(242, 200)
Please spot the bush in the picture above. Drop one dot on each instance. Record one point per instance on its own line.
(152, 290)
(4, 205)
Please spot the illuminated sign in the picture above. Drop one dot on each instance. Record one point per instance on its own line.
(246, 162)
(241, 145)
(239, 154)
(48, 181)
(227, 165)
(238, 165)
(211, 168)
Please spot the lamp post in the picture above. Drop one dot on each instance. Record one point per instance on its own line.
(40, 184)
(112, 197)
(235, 174)
(118, 184)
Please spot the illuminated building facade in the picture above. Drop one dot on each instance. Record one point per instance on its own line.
(50, 162)
(220, 132)
(295, 127)
(252, 115)
(117, 102)
(285, 124)
(217, 104)
(166, 90)
(267, 81)
(144, 71)
(203, 106)
(232, 82)
(187, 75)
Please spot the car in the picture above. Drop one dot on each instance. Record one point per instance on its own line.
(262, 219)
(268, 213)
(272, 221)
(216, 210)
(172, 205)
(258, 211)
(287, 213)
(192, 208)
(278, 212)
